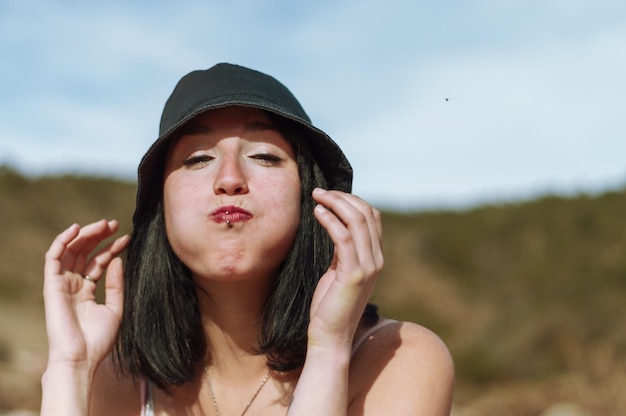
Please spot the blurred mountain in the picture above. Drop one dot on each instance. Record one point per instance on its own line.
(528, 296)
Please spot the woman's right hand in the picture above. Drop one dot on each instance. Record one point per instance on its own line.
(81, 332)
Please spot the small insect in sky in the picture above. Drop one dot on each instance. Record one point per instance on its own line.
(448, 99)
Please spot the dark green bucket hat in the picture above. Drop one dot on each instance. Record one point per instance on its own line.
(227, 85)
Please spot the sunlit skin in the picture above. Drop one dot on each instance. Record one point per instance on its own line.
(231, 195)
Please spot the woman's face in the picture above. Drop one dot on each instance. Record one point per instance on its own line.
(231, 195)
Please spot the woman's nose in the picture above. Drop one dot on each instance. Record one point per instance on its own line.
(230, 178)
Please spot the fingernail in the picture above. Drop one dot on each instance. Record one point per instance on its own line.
(318, 191)
(123, 240)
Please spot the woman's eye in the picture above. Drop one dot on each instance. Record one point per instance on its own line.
(268, 158)
(197, 160)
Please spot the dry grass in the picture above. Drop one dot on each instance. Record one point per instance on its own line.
(23, 354)
(595, 384)
(529, 297)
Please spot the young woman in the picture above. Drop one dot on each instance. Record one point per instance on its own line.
(245, 282)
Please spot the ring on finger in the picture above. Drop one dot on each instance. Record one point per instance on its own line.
(91, 279)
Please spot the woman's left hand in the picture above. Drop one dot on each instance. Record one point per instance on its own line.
(343, 291)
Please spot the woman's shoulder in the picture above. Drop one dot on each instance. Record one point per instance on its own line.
(400, 368)
(406, 340)
(113, 393)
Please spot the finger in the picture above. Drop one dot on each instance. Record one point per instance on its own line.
(52, 265)
(360, 223)
(345, 250)
(89, 237)
(374, 223)
(323, 284)
(99, 262)
(114, 287)
(74, 247)
(364, 211)
(93, 235)
(371, 212)
(349, 283)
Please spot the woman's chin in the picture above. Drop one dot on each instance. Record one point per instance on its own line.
(233, 273)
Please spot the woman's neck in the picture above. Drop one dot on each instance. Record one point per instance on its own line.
(231, 312)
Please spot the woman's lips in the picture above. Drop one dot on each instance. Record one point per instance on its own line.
(230, 215)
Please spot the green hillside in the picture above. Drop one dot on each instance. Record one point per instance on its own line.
(528, 296)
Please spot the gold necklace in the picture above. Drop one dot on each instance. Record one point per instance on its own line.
(256, 393)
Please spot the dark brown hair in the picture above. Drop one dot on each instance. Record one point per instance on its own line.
(161, 337)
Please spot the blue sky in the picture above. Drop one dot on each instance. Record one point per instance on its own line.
(536, 88)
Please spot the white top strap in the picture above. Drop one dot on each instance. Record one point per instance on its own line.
(369, 333)
(147, 398)
(147, 393)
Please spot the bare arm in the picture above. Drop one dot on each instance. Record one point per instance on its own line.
(405, 371)
(81, 333)
(338, 303)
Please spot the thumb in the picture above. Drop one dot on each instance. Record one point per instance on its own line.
(114, 287)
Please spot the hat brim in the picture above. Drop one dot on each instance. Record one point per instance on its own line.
(328, 155)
